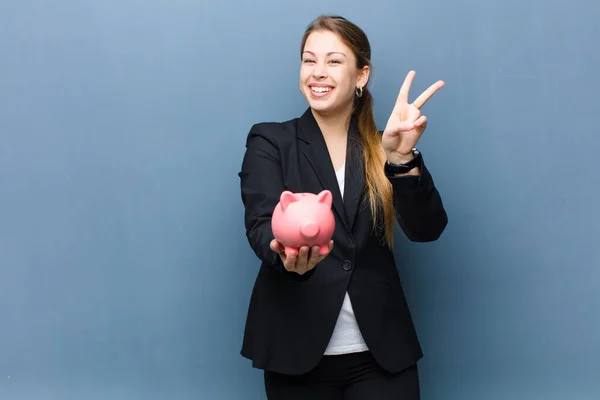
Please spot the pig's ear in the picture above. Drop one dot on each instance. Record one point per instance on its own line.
(286, 199)
(325, 197)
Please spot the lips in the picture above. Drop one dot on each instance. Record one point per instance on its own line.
(320, 91)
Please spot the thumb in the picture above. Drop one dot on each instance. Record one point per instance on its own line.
(405, 126)
(397, 128)
(277, 247)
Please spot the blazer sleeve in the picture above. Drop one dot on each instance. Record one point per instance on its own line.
(261, 179)
(418, 206)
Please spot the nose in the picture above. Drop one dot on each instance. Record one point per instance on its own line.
(319, 71)
(309, 229)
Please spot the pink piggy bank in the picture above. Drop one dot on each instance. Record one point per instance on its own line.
(303, 219)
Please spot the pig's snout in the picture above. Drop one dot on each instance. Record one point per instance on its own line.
(309, 229)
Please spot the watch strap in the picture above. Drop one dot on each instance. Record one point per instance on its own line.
(393, 169)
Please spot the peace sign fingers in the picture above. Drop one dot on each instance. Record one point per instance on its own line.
(406, 124)
(426, 95)
(402, 99)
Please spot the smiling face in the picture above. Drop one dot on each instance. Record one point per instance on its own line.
(329, 75)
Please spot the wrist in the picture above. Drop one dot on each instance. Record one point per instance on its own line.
(399, 164)
(396, 158)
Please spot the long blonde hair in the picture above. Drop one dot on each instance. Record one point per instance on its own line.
(379, 189)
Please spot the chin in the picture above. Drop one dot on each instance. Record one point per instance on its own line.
(326, 108)
(320, 105)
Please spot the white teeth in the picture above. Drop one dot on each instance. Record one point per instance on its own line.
(320, 89)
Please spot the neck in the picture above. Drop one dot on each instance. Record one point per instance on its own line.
(333, 125)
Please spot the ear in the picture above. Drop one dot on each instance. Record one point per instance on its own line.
(325, 197)
(363, 76)
(286, 199)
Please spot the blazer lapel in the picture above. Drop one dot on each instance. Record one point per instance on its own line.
(355, 177)
(315, 149)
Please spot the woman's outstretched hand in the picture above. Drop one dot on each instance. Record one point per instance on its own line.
(300, 262)
(406, 124)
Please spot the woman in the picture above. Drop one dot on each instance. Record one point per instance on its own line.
(337, 326)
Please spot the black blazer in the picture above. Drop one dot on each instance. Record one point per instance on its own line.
(291, 317)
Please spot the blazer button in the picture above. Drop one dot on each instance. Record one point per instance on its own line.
(347, 265)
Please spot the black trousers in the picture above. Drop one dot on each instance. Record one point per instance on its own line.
(354, 376)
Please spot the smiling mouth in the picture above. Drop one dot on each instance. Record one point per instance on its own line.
(321, 89)
(319, 92)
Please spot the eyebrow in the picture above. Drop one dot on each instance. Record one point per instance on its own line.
(330, 53)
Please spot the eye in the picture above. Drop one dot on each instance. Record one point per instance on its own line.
(308, 60)
(335, 61)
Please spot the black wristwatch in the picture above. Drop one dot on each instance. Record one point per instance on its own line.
(393, 169)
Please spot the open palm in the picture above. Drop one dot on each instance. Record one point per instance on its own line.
(406, 124)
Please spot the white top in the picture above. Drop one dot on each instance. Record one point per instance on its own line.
(346, 337)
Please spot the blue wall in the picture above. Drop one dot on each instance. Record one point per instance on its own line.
(124, 270)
